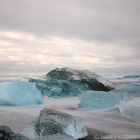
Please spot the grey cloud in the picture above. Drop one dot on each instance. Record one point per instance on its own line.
(107, 22)
(92, 19)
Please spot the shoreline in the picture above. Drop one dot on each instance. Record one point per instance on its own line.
(99, 124)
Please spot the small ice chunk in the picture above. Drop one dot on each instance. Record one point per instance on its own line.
(98, 100)
(131, 109)
(19, 93)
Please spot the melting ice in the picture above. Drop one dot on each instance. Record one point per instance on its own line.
(98, 100)
(19, 93)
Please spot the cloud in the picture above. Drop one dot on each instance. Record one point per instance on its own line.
(22, 52)
(96, 20)
(36, 36)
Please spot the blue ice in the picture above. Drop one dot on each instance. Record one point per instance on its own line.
(19, 93)
(129, 101)
(98, 100)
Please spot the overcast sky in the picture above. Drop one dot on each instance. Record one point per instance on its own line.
(100, 35)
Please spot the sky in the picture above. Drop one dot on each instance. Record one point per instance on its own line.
(37, 36)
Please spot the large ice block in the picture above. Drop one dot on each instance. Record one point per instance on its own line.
(98, 100)
(69, 82)
(19, 93)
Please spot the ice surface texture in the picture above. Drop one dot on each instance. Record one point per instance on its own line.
(52, 122)
(136, 77)
(98, 100)
(129, 101)
(126, 98)
(7, 134)
(68, 82)
(128, 92)
(19, 93)
(131, 109)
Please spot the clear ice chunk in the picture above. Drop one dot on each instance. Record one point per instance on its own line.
(98, 100)
(52, 122)
(129, 101)
(131, 109)
(19, 93)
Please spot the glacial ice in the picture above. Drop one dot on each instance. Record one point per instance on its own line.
(125, 97)
(7, 134)
(98, 100)
(19, 93)
(69, 82)
(129, 101)
(52, 122)
(131, 109)
(130, 88)
(135, 77)
(128, 92)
